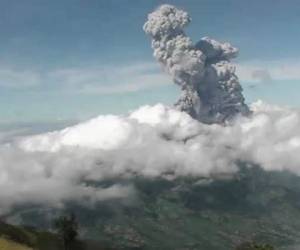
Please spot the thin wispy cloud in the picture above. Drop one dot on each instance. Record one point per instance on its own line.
(15, 78)
(111, 79)
(266, 71)
(97, 79)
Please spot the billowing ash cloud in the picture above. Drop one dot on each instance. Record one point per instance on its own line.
(211, 91)
(153, 141)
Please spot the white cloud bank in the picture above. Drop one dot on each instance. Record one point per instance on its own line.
(55, 167)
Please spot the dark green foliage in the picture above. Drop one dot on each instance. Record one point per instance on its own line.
(17, 234)
(67, 227)
(196, 213)
(254, 246)
(44, 240)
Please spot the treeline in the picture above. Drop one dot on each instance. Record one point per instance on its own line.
(65, 236)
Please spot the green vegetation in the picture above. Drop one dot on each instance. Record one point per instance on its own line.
(27, 238)
(192, 213)
(186, 213)
(67, 229)
(19, 235)
(6, 244)
(254, 246)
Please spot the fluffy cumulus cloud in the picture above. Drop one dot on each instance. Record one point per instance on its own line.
(50, 179)
(60, 166)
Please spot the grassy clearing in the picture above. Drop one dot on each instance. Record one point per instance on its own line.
(6, 244)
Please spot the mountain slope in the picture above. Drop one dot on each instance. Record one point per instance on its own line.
(203, 214)
(24, 238)
(193, 213)
(6, 244)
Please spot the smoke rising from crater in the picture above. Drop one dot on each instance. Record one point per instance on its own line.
(211, 91)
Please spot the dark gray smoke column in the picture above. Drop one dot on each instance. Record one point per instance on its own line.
(211, 91)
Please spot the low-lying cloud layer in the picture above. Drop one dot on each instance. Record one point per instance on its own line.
(153, 141)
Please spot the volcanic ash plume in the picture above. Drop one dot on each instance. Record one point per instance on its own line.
(211, 91)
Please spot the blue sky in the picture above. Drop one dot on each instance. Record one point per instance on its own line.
(65, 60)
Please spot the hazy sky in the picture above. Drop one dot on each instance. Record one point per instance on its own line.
(65, 60)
